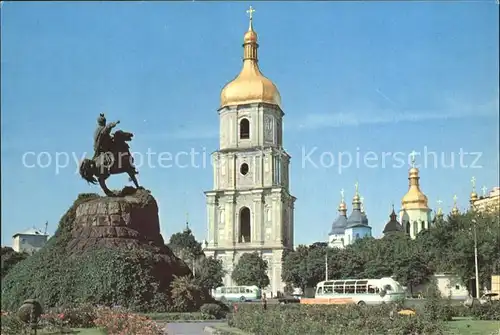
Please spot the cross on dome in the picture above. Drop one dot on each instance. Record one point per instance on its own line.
(250, 12)
(342, 194)
(473, 181)
(412, 157)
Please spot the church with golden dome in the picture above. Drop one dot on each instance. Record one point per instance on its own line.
(415, 214)
(250, 208)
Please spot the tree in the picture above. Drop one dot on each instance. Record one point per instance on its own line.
(187, 295)
(294, 270)
(251, 269)
(411, 271)
(460, 253)
(447, 247)
(316, 264)
(11, 258)
(185, 246)
(210, 273)
(305, 267)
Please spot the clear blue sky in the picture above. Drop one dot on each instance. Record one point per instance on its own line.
(354, 76)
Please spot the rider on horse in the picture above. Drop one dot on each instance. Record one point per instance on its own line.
(103, 141)
(111, 155)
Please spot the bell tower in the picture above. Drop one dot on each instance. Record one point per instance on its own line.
(250, 207)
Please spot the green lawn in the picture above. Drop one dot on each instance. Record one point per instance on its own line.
(463, 326)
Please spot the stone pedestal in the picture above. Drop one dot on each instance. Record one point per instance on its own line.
(129, 222)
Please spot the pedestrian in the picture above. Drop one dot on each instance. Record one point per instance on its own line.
(264, 301)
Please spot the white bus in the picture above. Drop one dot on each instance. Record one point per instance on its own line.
(357, 291)
(237, 293)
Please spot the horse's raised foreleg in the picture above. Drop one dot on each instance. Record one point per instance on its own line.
(107, 191)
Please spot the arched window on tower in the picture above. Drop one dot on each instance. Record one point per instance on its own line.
(244, 129)
(408, 231)
(245, 230)
(415, 228)
(422, 225)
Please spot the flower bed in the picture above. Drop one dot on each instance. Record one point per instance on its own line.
(81, 316)
(330, 319)
(111, 320)
(122, 322)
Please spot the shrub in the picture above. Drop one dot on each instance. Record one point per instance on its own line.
(330, 320)
(461, 311)
(214, 310)
(101, 276)
(120, 321)
(11, 258)
(82, 316)
(437, 308)
(488, 311)
(12, 325)
(187, 295)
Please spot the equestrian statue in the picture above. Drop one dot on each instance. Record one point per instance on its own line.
(111, 156)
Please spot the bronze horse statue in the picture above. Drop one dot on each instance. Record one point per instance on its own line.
(115, 161)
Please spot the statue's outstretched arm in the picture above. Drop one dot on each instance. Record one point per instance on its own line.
(111, 125)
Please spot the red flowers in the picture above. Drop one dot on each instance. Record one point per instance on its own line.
(122, 322)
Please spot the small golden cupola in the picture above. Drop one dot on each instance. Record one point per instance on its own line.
(250, 86)
(342, 206)
(455, 210)
(414, 198)
(473, 195)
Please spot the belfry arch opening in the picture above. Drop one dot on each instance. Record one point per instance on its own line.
(245, 230)
(408, 230)
(244, 129)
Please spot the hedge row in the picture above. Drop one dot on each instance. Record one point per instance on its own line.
(331, 319)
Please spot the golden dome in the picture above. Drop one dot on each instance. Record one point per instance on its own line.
(473, 196)
(342, 207)
(250, 86)
(414, 198)
(250, 36)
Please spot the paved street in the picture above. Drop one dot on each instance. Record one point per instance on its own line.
(194, 328)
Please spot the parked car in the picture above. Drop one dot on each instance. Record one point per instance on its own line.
(485, 299)
(289, 299)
